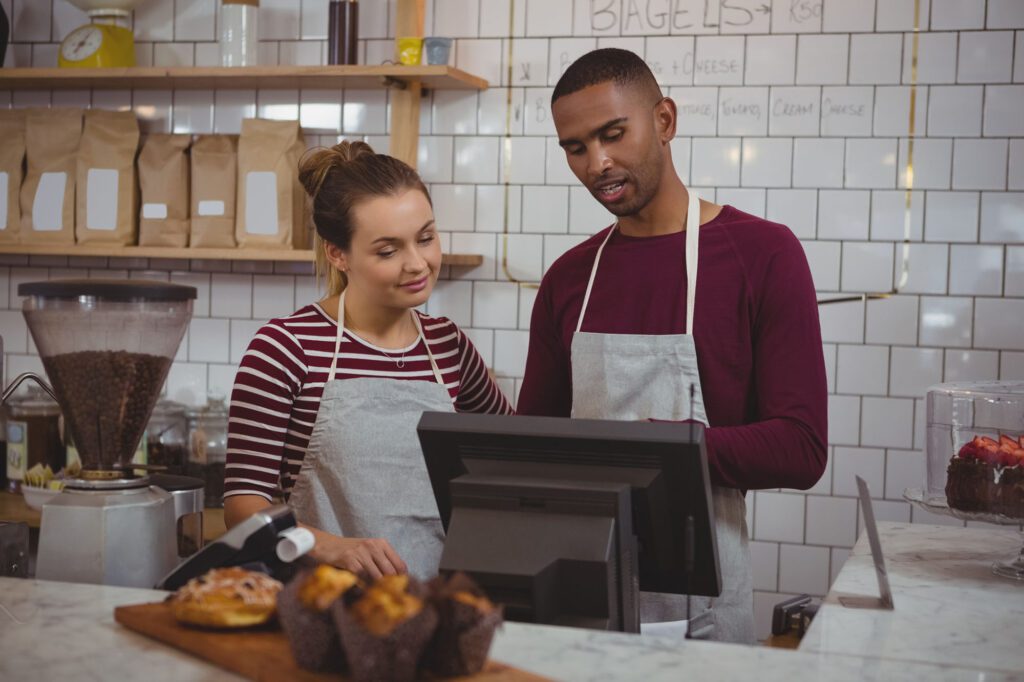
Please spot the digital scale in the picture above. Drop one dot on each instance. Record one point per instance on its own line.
(106, 41)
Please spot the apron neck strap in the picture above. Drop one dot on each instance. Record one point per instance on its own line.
(593, 274)
(426, 344)
(692, 246)
(338, 335)
(341, 332)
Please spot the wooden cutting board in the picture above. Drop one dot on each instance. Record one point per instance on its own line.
(261, 654)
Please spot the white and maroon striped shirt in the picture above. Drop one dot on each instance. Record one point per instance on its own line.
(282, 375)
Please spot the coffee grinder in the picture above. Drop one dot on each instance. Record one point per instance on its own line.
(107, 346)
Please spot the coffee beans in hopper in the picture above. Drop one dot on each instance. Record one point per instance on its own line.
(107, 397)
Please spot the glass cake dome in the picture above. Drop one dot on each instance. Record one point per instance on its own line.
(983, 415)
(974, 456)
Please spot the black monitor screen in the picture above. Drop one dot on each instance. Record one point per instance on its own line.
(665, 465)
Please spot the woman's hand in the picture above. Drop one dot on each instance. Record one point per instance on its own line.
(374, 556)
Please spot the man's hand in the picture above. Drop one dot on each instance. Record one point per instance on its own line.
(373, 556)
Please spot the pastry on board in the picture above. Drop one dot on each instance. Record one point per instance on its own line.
(226, 598)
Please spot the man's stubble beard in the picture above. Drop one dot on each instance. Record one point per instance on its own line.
(645, 186)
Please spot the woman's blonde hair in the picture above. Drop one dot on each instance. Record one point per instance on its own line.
(338, 178)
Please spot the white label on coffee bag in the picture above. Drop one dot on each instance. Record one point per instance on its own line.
(211, 207)
(101, 199)
(48, 203)
(261, 202)
(154, 211)
(3, 200)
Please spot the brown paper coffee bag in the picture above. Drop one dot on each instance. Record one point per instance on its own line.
(214, 178)
(106, 198)
(12, 170)
(270, 209)
(47, 195)
(163, 182)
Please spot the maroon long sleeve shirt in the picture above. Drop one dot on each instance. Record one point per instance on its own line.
(755, 328)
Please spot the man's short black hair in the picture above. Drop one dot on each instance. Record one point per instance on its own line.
(607, 64)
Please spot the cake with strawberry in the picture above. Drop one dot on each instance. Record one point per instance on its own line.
(987, 475)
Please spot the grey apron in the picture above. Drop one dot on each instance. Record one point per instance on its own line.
(640, 376)
(363, 475)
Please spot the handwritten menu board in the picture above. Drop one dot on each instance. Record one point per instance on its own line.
(688, 43)
(650, 17)
(665, 29)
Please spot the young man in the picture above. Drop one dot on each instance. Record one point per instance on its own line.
(620, 329)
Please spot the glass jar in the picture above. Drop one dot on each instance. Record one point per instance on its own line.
(33, 435)
(167, 439)
(208, 440)
(239, 32)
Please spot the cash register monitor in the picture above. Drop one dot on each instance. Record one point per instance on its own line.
(563, 520)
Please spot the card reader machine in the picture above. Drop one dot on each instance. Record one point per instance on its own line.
(270, 540)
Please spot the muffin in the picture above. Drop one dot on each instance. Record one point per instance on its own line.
(226, 598)
(467, 621)
(304, 609)
(385, 630)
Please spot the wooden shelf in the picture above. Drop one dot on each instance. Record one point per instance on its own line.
(406, 82)
(276, 255)
(468, 260)
(240, 78)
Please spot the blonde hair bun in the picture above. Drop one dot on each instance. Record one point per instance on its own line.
(318, 162)
(335, 180)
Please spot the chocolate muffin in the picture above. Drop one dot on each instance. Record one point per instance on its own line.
(385, 631)
(304, 609)
(467, 623)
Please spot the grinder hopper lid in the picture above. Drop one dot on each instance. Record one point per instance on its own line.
(109, 289)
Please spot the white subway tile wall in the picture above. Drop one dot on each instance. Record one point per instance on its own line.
(795, 111)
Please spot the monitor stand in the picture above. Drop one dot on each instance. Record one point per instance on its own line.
(554, 552)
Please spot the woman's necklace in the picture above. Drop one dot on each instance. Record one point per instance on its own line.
(398, 361)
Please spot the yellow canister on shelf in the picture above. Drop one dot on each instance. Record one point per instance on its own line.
(409, 50)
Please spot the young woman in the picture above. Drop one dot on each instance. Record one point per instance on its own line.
(326, 400)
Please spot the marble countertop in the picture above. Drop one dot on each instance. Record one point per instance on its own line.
(62, 631)
(949, 607)
(590, 656)
(65, 631)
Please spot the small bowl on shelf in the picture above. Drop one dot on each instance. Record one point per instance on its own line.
(36, 497)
